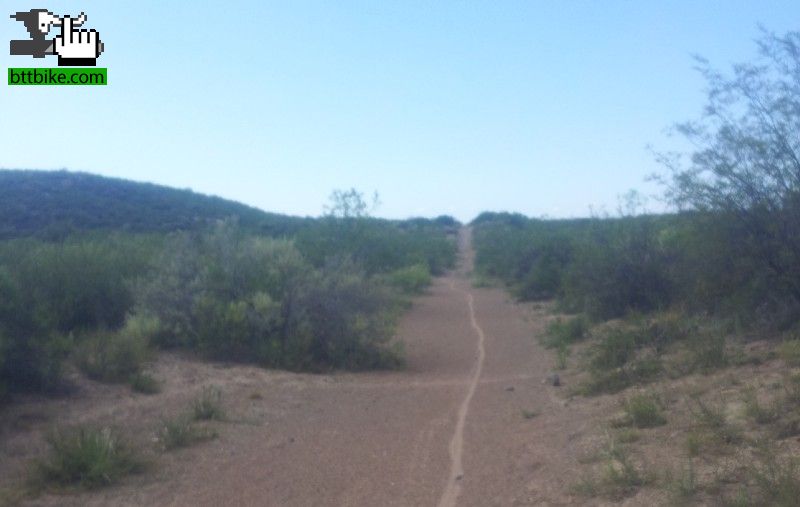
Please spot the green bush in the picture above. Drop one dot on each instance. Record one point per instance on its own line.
(614, 350)
(181, 432)
(145, 384)
(411, 280)
(349, 320)
(561, 333)
(117, 356)
(86, 457)
(643, 411)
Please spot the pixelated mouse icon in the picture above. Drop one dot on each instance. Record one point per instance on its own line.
(74, 46)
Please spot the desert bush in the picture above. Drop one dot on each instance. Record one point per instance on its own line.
(111, 356)
(614, 349)
(31, 353)
(86, 457)
(643, 411)
(708, 352)
(208, 406)
(145, 383)
(563, 332)
(411, 280)
(349, 320)
(180, 432)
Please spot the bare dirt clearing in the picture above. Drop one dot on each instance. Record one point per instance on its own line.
(385, 438)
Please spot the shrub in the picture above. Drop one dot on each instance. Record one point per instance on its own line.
(565, 332)
(643, 411)
(31, 354)
(411, 280)
(708, 352)
(180, 432)
(614, 350)
(208, 406)
(116, 356)
(348, 320)
(561, 357)
(145, 384)
(86, 457)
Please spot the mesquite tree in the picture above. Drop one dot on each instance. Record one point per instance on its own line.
(746, 165)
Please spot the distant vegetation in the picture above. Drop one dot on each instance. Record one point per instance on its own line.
(252, 287)
(52, 205)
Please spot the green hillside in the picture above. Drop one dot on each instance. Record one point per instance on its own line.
(52, 204)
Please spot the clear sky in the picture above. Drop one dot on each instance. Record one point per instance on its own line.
(443, 107)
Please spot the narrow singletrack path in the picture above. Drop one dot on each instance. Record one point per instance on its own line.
(453, 488)
(446, 430)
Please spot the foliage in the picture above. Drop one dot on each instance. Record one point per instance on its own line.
(411, 280)
(86, 457)
(117, 356)
(145, 383)
(643, 411)
(181, 432)
(561, 333)
(82, 279)
(747, 164)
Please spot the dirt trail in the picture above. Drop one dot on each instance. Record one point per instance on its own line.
(447, 429)
(453, 488)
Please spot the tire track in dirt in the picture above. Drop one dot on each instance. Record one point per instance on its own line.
(453, 488)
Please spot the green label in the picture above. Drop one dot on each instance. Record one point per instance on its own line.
(58, 76)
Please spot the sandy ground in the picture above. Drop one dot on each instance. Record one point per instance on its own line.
(447, 430)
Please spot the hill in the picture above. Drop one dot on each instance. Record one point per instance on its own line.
(52, 204)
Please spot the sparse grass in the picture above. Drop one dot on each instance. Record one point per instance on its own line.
(85, 457)
(778, 480)
(145, 383)
(643, 411)
(561, 357)
(685, 486)
(208, 406)
(640, 371)
(530, 414)
(182, 432)
(789, 351)
(619, 478)
(711, 418)
(604, 382)
(627, 436)
(756, 411)
(707, 352)
(695, 442)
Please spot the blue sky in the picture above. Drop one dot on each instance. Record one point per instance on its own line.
(446, 107)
